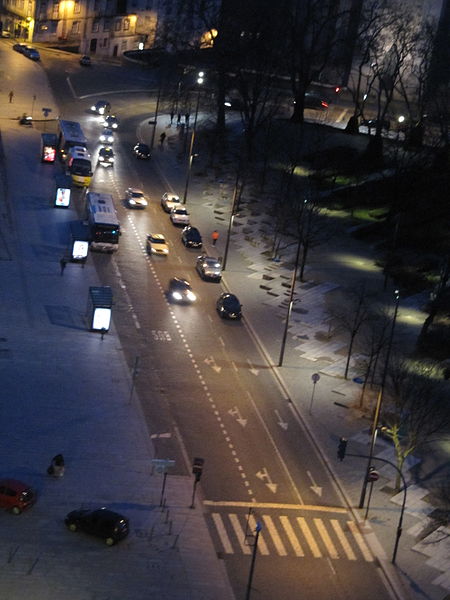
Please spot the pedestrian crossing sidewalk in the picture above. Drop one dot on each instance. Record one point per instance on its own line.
(290, 536)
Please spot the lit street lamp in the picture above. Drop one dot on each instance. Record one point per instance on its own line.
(200, 81)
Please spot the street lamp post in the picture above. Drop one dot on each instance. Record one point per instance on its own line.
(252, 565)
(200, 80)
(376, 416)
(291, 295)
(156, 116)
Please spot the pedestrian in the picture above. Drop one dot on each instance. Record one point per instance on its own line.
(215, 236)
(186, 119)
(11, 96)
(57, 466)
(172, 114)
(162, 137)
(178, 119)
(63, 263)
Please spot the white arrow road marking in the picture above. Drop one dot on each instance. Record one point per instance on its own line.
(212, 363)
(234, 412)
(281, 423)
(315, 488)
(264, 475)
(252, 368)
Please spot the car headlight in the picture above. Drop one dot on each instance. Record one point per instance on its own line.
(166, 250)
(191, 296)
(176, 296)
(93, 108)
(143, 202)
(131, 201)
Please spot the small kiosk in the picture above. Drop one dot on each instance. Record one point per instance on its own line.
(99, 308)
(49, 145)
(80, 242)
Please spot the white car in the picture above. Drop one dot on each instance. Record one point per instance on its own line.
(156, 244)
(135, 198)
(169, 201)
(107, 136)
(179, 216)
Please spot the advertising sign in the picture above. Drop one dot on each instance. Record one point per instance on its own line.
(62, 199)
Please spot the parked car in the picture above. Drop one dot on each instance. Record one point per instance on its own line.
(101, 107)
(169, 201)
(106, 157)
(107, 136)
(111, 121)
(373, 123)
(85, 61)
(179, 216)
(209, 268)
(191, 237)
(156, 244)
(135, 198)
(19, 48)
(31, 53)
(180, 291)
(315, 102)
(228, 306)
(142, 151)
(16, 496)
(101, 522)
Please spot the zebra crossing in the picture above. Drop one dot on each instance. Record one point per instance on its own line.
(297, 536)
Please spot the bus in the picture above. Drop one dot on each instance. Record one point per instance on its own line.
(79, 166)
(71, 136)
(103, 222)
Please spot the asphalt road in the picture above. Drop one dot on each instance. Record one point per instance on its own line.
(204, 385)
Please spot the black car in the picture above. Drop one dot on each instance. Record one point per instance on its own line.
(19, 48)
(191, 237)
(180, 291)
(101, 107)
(85, 61)
(228, 306)
(106, 157)
(141, 151)
(373, 123)
(100, 522)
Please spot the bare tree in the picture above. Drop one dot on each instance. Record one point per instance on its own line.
(418, 408)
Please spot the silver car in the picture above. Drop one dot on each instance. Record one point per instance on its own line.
(209, 268)
(179, 216)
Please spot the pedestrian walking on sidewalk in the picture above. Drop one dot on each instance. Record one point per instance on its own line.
(11, 96)
(172, 114)
(63, 263)
(162, 137)
(57, 466)
(214, 236)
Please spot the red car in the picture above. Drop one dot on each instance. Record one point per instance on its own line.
(16, 496)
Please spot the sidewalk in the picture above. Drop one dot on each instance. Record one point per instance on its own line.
(67, 390)
(262, 286)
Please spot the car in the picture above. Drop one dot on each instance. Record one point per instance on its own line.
(228, 306)
(101, 107)
(135, 198)
(180, 290)
(179, 216)
(16, 496)
(315, 102)
(6, 34)
(110, 121)
(156, 244)
(106, 156)
(31, 53)
(209, 268)
(101, 522)
(19, 48)
(169, 201)
(85, 61)
(107, 136)
(191, 237)
(142, 151)
(373, 123)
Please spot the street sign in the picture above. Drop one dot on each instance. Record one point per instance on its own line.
(46, 111)
(162, 464)
(315, 377)
(373, 476)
